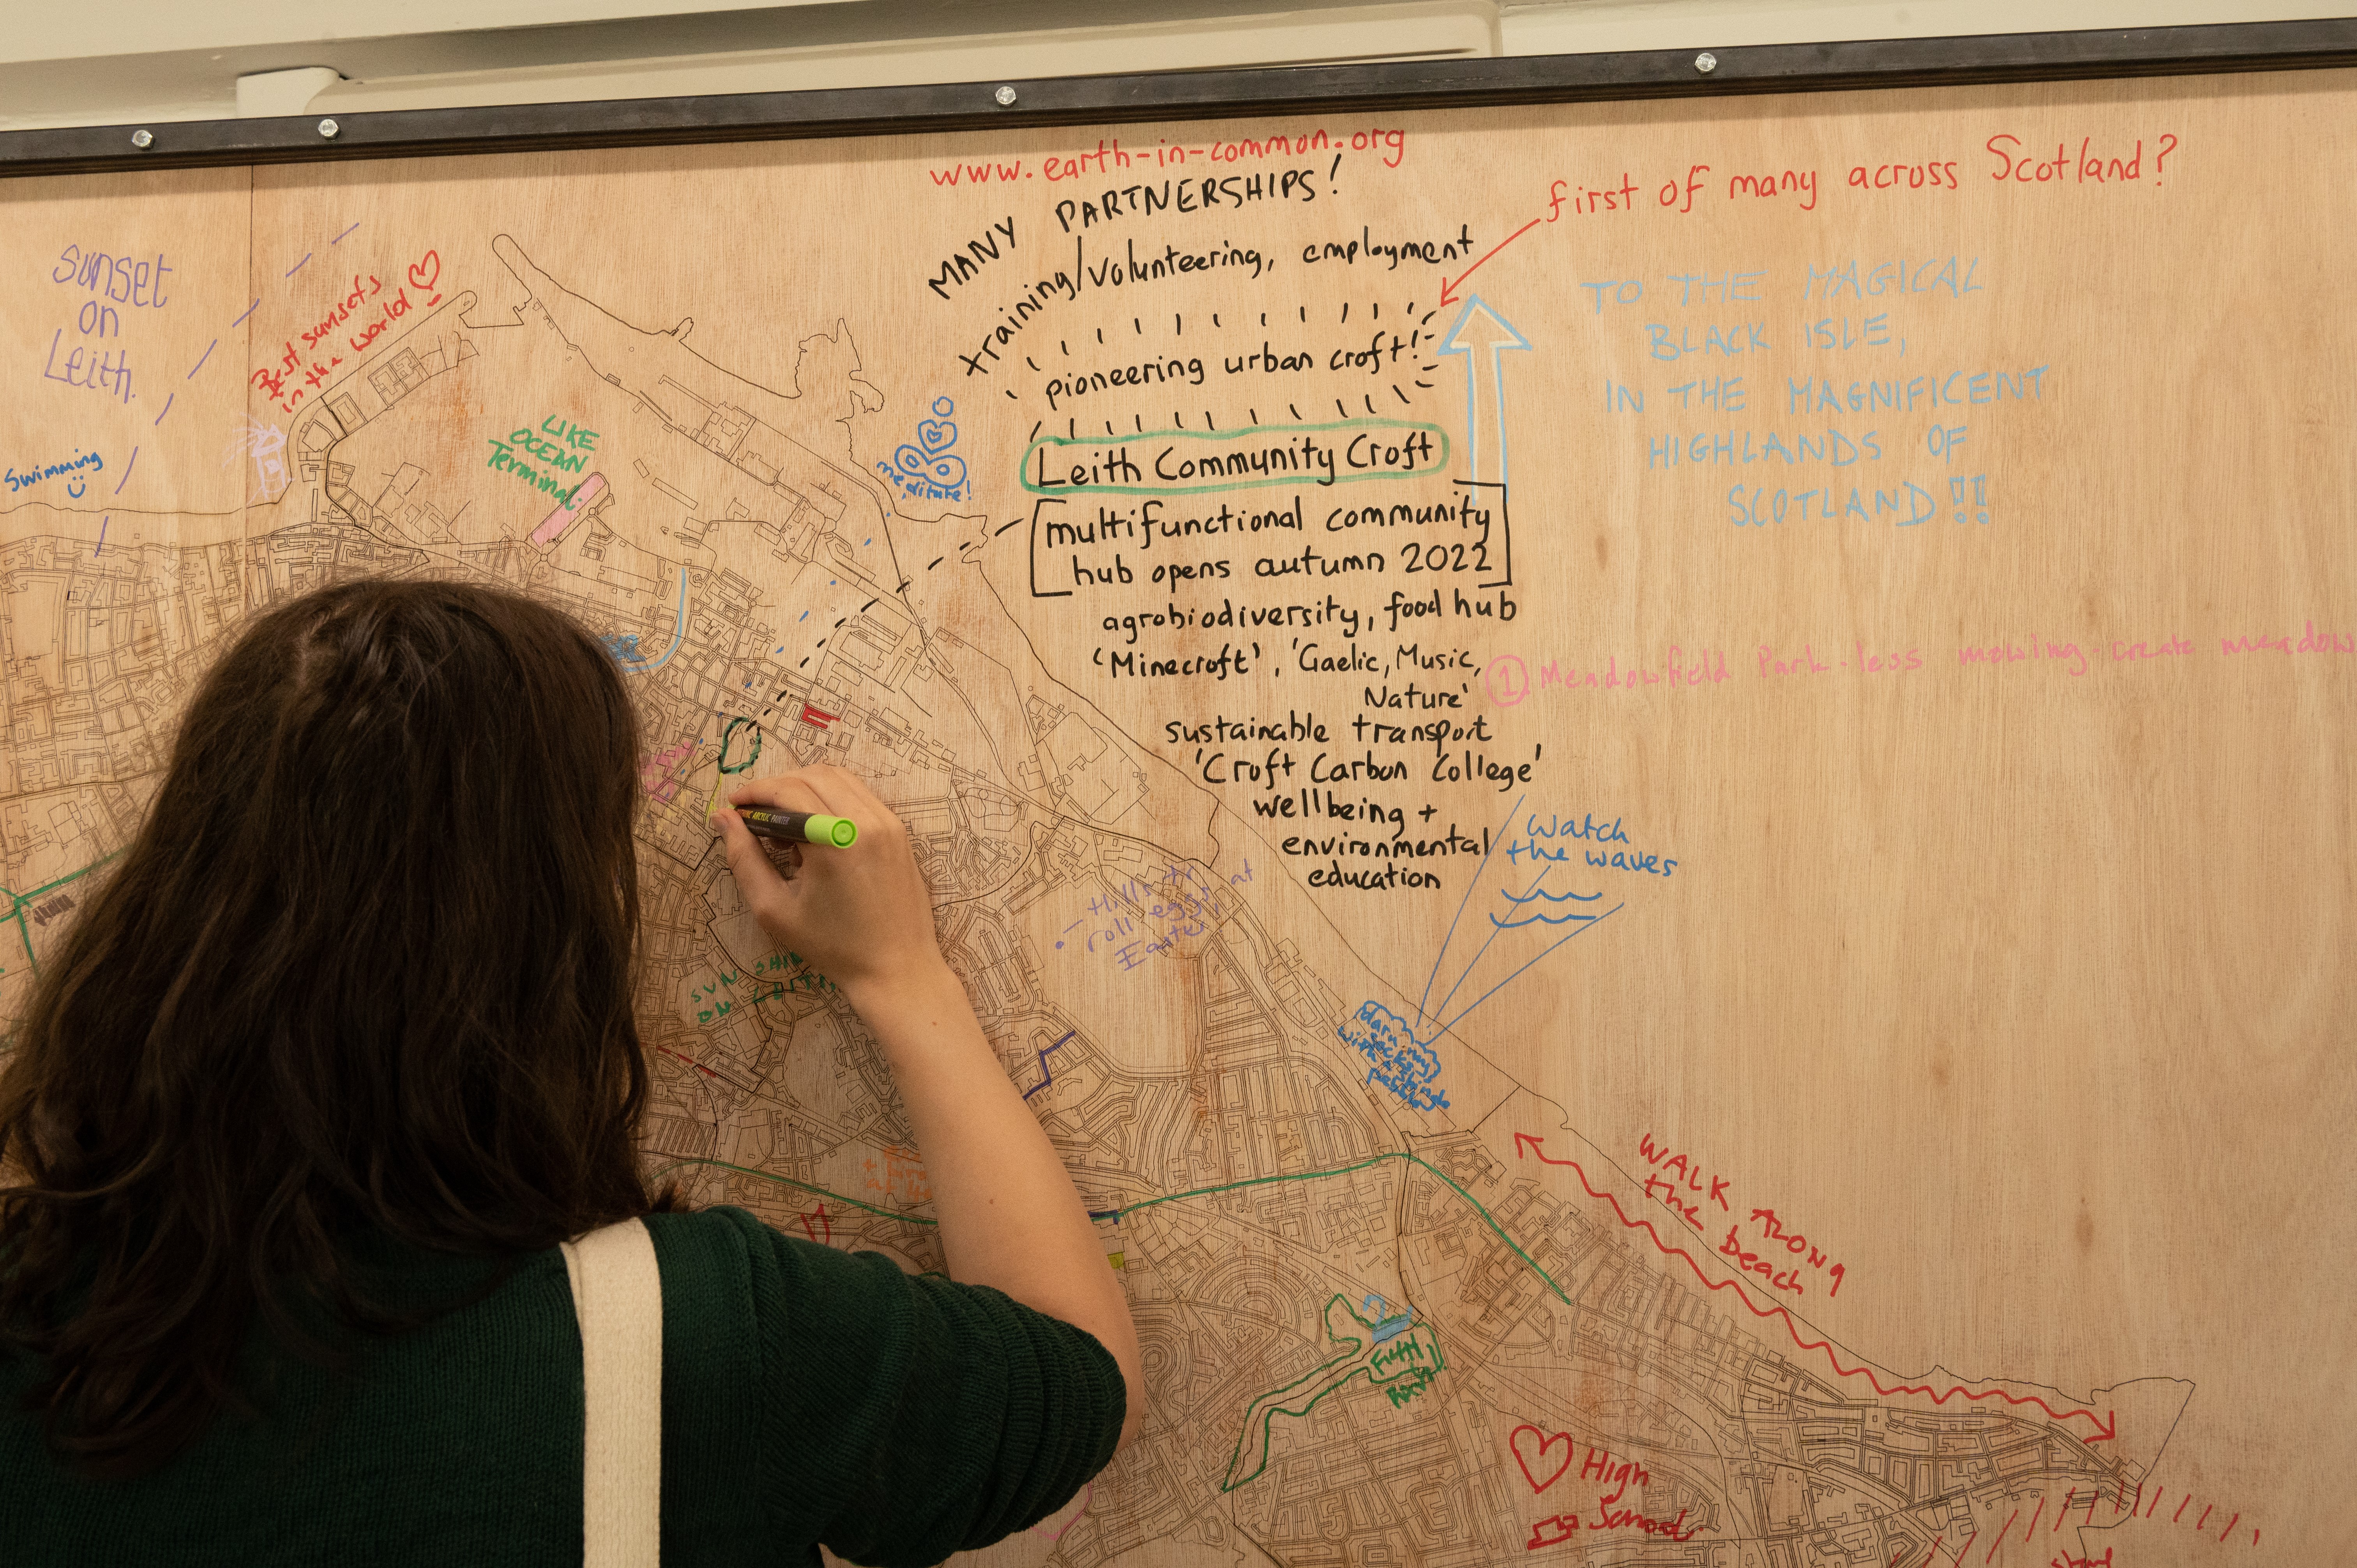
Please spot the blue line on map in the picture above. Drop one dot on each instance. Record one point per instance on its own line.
(101, 532)
(168, 408)
(248, 310)
(1465, 973)
(1420, 1013)
(126, 471)
(1543, 952)
(1047, 1078)
(208, 351)
(678, 627)
(340, 239)
(298, 267)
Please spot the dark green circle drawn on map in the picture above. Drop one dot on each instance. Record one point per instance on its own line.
(727, 738)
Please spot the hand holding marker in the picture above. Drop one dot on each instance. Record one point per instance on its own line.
(794, 827)
(800, 827)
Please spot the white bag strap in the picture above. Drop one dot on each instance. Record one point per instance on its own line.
(618, 1296)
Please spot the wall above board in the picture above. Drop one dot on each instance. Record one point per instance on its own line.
(1421, 84)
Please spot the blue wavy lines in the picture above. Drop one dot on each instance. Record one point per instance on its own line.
(1540, 916)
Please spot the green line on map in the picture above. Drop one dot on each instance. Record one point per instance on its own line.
(1487, 1217)
(18, 900)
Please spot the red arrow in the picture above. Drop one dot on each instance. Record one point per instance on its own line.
(1526, 1144)
(1448, 294)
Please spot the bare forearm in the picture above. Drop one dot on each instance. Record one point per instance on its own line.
(1010, 1216)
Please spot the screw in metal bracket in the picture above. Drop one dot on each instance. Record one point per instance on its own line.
(328, 127)
(143, 139)
(1006, 96)
(1706, 62)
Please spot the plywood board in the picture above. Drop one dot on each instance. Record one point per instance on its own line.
(1656, 795)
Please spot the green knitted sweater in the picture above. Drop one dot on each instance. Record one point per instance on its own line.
(808, 1396)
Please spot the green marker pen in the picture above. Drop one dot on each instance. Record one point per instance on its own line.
(800, 827)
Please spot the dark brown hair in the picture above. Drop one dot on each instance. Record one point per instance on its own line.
(366, 969)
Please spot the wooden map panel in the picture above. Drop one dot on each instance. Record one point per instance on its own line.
(1657, 796)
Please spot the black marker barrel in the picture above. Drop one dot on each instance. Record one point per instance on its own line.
(801, 827)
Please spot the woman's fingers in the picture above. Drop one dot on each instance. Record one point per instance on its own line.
(849, 796)
(783, 792)
(861, 912)
(757, 879)
(826, 785)
(767, 891)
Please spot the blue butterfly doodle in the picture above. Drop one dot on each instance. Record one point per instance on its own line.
(927, 469)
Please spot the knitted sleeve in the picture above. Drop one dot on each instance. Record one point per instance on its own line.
(930, 1417)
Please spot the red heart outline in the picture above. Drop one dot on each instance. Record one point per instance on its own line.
(434, 257)
(1546, 1442)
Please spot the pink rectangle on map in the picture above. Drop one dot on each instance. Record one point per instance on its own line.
(557, 522)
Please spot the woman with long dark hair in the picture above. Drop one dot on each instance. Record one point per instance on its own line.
(341, 1053)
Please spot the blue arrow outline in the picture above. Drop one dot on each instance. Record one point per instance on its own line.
(1450, 345)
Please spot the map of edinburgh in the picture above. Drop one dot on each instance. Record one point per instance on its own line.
(1544, 802)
